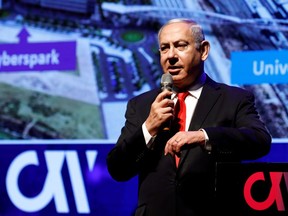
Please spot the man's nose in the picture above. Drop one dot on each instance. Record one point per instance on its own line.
(172, 52)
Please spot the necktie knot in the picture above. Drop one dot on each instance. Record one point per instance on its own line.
(182, 95)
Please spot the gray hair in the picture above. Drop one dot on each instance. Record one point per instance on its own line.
(196, 30)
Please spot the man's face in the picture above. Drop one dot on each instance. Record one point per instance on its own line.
(178, 54)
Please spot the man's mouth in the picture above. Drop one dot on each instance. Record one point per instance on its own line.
(173, 70)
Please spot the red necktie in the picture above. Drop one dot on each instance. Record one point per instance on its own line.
(180, 113)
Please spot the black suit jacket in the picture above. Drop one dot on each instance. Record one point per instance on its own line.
(235, 132)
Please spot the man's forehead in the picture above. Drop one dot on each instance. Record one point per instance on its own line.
(175, 35)
(174, 41)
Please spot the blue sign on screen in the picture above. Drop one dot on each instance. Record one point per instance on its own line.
(24, 56)
(258, 67)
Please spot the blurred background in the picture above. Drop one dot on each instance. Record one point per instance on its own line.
(68, 68)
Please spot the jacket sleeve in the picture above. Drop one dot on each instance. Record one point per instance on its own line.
(124, 160)
(245, 137)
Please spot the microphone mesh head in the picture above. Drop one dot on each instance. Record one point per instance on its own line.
(167, 81)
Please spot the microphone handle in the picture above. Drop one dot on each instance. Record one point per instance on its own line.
(167, 124)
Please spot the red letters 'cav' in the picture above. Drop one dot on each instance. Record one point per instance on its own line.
(253, 189)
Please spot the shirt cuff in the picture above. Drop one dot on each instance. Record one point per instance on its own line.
(148, 138)
(207, 145)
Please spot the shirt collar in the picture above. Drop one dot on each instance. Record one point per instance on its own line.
(196, 89)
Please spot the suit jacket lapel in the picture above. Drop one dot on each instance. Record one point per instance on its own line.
(207, 100)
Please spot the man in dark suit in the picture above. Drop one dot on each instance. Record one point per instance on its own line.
(222, 124)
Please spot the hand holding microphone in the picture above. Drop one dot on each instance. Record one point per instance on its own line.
(161, 112)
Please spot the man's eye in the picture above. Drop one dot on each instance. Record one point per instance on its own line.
(181, 47)
(164, 49)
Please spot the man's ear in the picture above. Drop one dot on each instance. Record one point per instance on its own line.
(204, 49)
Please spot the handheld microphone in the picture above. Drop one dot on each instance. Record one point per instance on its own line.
(166, 83)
